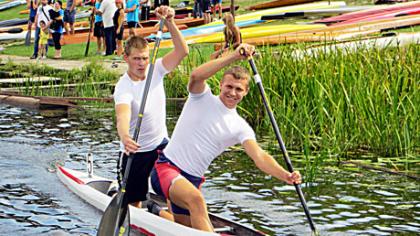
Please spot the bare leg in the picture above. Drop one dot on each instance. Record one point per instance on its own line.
(72, 28)
(185, 195)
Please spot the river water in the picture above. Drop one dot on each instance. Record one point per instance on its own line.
(342, 200)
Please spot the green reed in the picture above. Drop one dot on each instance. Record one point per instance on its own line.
(333, 104)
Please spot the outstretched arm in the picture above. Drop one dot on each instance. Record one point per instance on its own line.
(202, 73)
(123, 113)
(268, 164)
(172, 59)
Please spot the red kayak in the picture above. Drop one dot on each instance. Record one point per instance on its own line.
(380, 16)
(365, 13)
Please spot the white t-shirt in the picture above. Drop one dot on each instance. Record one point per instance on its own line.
(108, 9)
(204, 130)
(43, 17)
(153, 128)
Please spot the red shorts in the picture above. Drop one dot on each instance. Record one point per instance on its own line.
(163, 175)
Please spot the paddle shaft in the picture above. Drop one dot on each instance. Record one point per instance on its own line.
(120, 196)
(258, 81)
(92, 17)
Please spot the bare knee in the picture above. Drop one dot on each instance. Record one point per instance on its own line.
(196, 203)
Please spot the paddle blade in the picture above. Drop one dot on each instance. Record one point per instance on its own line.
(28, 38)
(114, 217)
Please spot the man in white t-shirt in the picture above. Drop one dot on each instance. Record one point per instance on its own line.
(207, 126)
(128, 96)
(107, 11)
(42, 14)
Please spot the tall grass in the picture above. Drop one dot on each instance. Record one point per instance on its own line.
(336, 104)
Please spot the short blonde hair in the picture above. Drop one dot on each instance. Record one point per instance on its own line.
(135, 42)
(239, 73)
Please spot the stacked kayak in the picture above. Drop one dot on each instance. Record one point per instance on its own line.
(257, 31)
(207, 29)
(326, 11)
(7, 5)
(277, 3)
(376, 10)
(257, 14)
(338, 32)
(383, 15)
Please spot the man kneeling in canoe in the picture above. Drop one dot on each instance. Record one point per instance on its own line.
(128, 96)
(207, 126)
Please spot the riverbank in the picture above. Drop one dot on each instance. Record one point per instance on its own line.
(62, 64)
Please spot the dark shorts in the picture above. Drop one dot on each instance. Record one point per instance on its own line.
(120, 35)
(138, 180)
(32, 19)
(69, 17)
(98, 31)
(162, 176)
(205, 6)
(132, 24)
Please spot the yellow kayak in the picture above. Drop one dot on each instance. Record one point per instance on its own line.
(309, 6)
(258, 31)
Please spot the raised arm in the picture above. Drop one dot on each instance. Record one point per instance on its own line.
(173, 59)
(202, 73)
(268, 164)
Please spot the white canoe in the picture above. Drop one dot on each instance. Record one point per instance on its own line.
(93, 190)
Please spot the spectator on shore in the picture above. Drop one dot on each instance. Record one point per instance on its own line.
(42, 14)
(196, 9)
(132, 10)
(107, 11)
(98, 30)
(206, 10)
(232, 35)
(119, 26)
(32, 6)
(159, 3)
(43, 39)
(57, 26)
(70, 16)
(217, 5)
(145, 9)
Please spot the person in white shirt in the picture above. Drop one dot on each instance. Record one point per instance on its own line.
(208, 125)
(42, 14)
(128, 95)
(107, 11)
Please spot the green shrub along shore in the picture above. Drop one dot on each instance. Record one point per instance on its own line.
(328, 106)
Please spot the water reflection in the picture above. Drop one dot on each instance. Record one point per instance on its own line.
(342, 200)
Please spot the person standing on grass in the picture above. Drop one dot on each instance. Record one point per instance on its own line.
(205, 10)
(98, 30)
(32, 6)
(145, 9)
(119, 26)
(217, 5)
(232, 35)
(128, 96)
(56, 27)
(43, 39)
(209, 124)
(107, 11)
(132, 10)
(70, 16)
(42, 14)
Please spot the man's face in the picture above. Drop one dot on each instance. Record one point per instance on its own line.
(232, 90)
(44, 2)
(137, 63)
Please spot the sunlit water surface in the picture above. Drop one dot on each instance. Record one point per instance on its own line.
(343, 201)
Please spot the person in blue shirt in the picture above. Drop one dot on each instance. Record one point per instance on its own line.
(98, 31)
(132, 10)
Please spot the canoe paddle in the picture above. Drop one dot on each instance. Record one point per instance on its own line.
(114, 215)
(258, 81)
(11, 31)
(91, 19)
